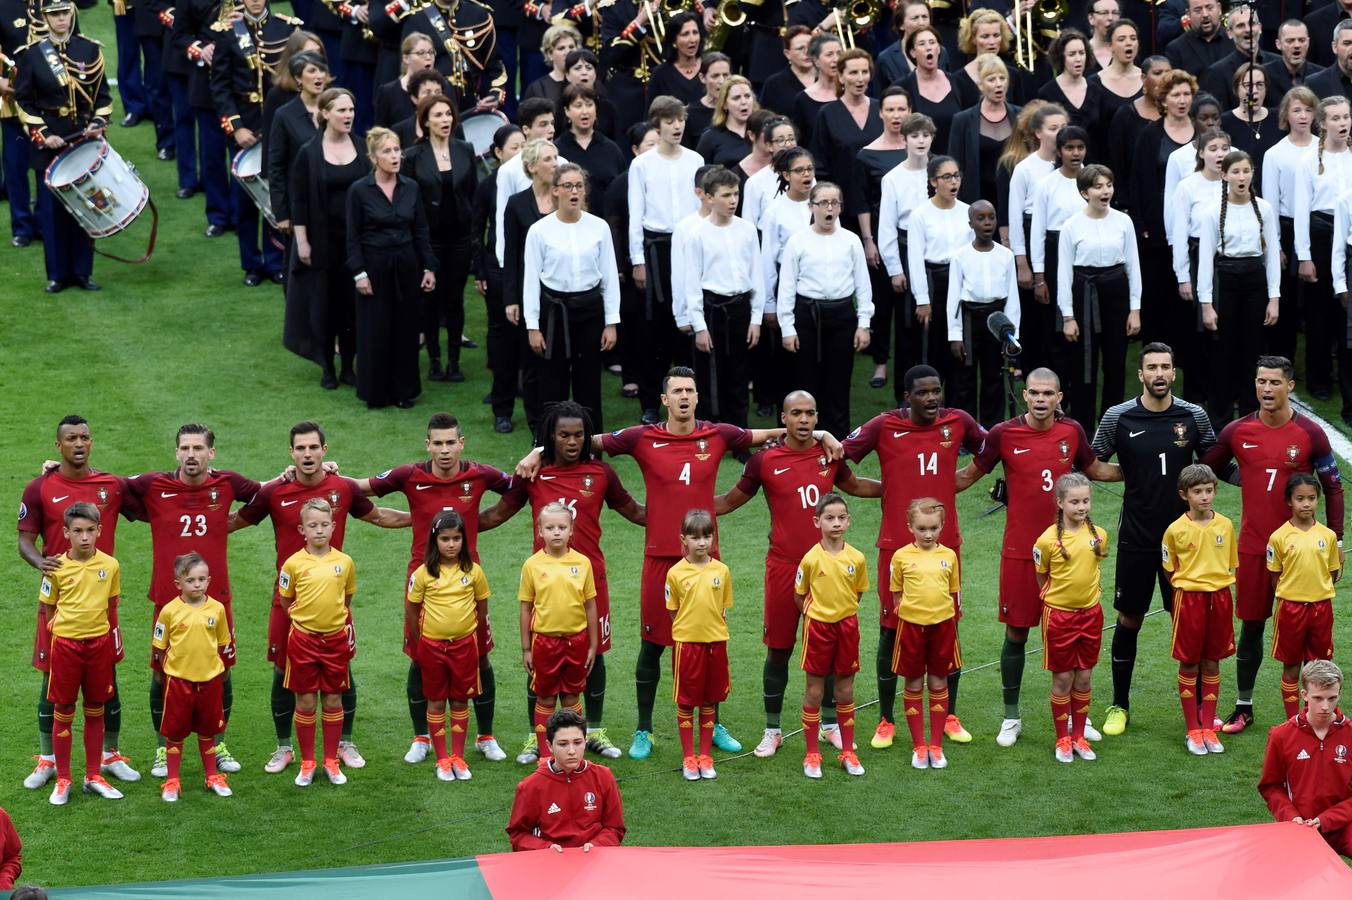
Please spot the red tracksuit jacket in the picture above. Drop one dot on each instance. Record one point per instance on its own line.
(568, 810)
(1308, 777)
(11, 862)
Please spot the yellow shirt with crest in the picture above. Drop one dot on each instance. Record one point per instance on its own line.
(1202, 556)
(926, 581)
(82, 592)
(559, 588)
(192, 639)
(830, 584)
(449, 600)
(1072, 575)
(1306, 561)
(699, 595)
(317, 589)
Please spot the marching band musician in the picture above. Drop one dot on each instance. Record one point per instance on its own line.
(61, 92)
(247, 48)
(192, 40)
(16, 26)
(465, 39)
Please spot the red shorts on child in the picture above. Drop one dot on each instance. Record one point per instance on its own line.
(558, 663)
(81, 666)
(700, 673)
(1071, 638)
(779, 628)
(1020, 598)
(1253, 588)
(450, 669)
(1204, 625)
(831, 648)
(922, 649)
(193, 707)
(1302, 631)
(317, 663)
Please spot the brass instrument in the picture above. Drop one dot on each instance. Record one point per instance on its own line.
(855, 17)
(1035, 30)
(730, 15)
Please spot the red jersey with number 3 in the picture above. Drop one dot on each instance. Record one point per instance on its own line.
(794, 480)
(428, 495)
(1033, 461)
(680, 473)
(188, 518)
(584, 488)
(45, 500)
(917, 461)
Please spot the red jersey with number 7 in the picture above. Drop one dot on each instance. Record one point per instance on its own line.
(428, 495)
(794, 480)
(584, 488)
(1033, 460)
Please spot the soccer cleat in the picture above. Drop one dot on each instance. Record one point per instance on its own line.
(1195, 743)
(690, 768)
(460, 769)
(61, 793)
(118, 766)
(769, 743)
(334, 771)
(41, 774)
(170, 790)
(850, 762)
(830, 734)
(1213, 744)
(306, 774)
(724, 740)
(280, 759)
(1238, 721)
(1090, 732)
(488, 746)
(444, 771)
(1083, 750)
(920, 758)
(530, 752)
(954, 731)
(937, 760)
(1065, 752)
(883, 735)
(1115, 722)
(225, 760)
(350, 755)
(1010, 729)
(160, 767)
(421, 747)
(97, 785)
(642, 747)
(706, 768)
(599, 742)
(217, 785)
(812, 765)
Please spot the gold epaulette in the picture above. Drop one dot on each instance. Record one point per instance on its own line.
(220, 26)
(483, 6)
(290, 20)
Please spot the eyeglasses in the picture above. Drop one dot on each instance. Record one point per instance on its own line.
(572, 186)
(424, 52)
(827, 204)
(783, 142)
(803, 170)
(949, 176)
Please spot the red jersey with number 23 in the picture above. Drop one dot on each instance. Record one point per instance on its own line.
(428, 495)
(794, 480)
(584, 488)
(1033, 461)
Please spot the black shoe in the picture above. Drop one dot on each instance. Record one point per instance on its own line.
(164, 154)
(877, 382)
(629, 393)
(649, 417)
(277, 277)
(346, 376)
(434, 370)
(21, 240)
(85, 283)
(455, 375)
(371, 405)
(329, 382)
(1320, 394)
(404, 404)
(130, 120)
(54, 287)
(488, 398)
(502, 425)
(765, 411)
(186, 193)
(467, 343)
(253, 279)
(214, 231)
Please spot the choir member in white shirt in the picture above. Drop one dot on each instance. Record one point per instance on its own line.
(1055, 199)
(1280, 164)
(1238, 286)
(680, 261)
(786, 214)
(825, 306)
(1099, 296)
(1206, 116)
(570, 295)
(981, 281)
(724, 299)
(536, 115)
(659, 197)
(1185, 209)
(1037, 324)
(1321, 181)
(936, 230)
(778, 133)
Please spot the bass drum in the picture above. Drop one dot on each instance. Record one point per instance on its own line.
(98, 187)
(247, 169)
(478, 130)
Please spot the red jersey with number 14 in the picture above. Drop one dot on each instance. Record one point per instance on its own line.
(1033, 461)
(794, 480)
(45, 500)
(428, 495)
(584, 488)
(917, 461)
(680, 473)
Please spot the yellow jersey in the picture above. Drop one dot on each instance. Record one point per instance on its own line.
(698, 595)
(559, 588)
(1202, 556)
(1071, 583)
(318, 589)
(82, 592)
(926, 581)
(830, 584)
(193, 638)
(1306, 561)
(450, 601)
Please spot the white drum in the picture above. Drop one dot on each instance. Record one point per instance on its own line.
(98, 187)
(247, 169)
(479, 130)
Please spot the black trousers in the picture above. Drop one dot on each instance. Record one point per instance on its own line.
(1281, 338)
(825, 359)
(663, 344)
(771, 367)
(721, 376)
(1163, 314)
(320, 312)
(905, 333)
(1190, 348)
(630, 347)
(572, 326)
(504, 348)
(1101, 302)
(1325, 318)
(1037, 321)
(979, 383)
(446, 304)
(884, 303)
(1233, 349)
(388, 325)
(933, 338)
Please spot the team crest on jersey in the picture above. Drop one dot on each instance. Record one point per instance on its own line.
(1220, 540)
(702, 449)
(1322, 545)
(946, 439)
(1180, 434)
(572, 570)
(1292, 455)
(338, 568)
(333, 498)
(211, 621)
(943, 564)
(103, 574)
(1064, 447)
(103, 496)
(586, 488)
(589, 801)
(465, 488)
(464, 580)
(849, 569)
(212, 498)
(1340, 753)
(718, 582)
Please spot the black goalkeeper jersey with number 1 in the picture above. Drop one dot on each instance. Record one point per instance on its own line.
(1152, 448)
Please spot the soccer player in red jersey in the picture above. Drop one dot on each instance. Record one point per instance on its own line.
(570, 474)
(45, 501)
(1035, 448)
(917, 451)
(281, 501)
(1268, 447)
(189, 512)
(445, 481)
(795, 475)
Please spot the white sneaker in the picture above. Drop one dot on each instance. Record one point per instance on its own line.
(530, 752)
(488, 746)
(1010, 729)
(306, 775)
(769, 743)
(225, 760)
(1083, 750)
(1090, 732)
(937, 759)
(169, 791)
(812, 765)
(116, 765)
(830, 734)
(419, 750)
(850, 763)
(444, 771)
(42, 773)
(334, 772)
(1065, 751)
(217, 785)
(1213, 743)
(280, 759)
(60, 794)
(706, 768)
(1195, 743)
(351, 757)
(920, 758)
(105, 790)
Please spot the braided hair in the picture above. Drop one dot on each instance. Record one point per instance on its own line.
(1319, 115)
(1064, 485)
(783, 161)
(1234, 157)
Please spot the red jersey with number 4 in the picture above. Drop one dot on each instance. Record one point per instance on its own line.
(428, 495)
(917, 461)
(680, 473)
(1267, 457)
(584, 488)
(794, 480)
(1033, 461)
(45, 500)
(187, 518)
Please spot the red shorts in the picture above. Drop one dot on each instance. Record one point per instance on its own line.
(1204, 625)
(1020, 599)
(603, 616)
(700, 674)
(42, 638)
(831, 648)
(1071, 638)
(887, 616)
(317, 663)
(229, 621)
(558, 663)
(450, 669)
(483, 634)
(922, 649)
(1253, 588)
(192, 707)
(1302, 631)
(780, 621)
(81, 667)
(656, 619)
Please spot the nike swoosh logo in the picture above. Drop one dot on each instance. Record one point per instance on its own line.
(781, 471)
(1135, 434)
(897, 434)
(59, 499)
(1249, 446)
(548, 477)
(167, 496)
(290, 502)
(421, 487)
(662, 444)
(1018, 450)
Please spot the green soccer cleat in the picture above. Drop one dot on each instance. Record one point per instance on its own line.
(599, 742)
(724, 740)
(530, 752)
(1115, 721)
(642, 747)
(225, 762)
(160, 767)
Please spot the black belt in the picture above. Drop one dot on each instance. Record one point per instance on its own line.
(1321, 222)
(1090, 276)
(558, 304)
(723, 304)
(970, 311)
(651, 240)
(815, 307)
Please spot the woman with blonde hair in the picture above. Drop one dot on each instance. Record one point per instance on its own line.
(558, 42)
(984, 31)
(726, 141)
(393, 103)
(979, 134)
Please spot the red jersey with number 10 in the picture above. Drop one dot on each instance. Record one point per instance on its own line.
(428, 495)
(584, 488)
(1033, 461)
(794, 480)
(46, 498)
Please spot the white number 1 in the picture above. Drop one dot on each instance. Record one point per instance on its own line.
(1163, 470)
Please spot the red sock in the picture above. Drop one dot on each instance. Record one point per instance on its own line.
(1290, 697)
(63, 736)
(542, 714)
(911, 702)
(305, 735)
(938, 714)
(845, 718)
(1211, 692)
(459, 728)
(333, 732)
(93, 740)
(1061, 715)
(812, 722)
(173, 755)
(1079, 713)
(1187, 698)
(436, 730)
(206, 746)
(685, 727)
(706, 730)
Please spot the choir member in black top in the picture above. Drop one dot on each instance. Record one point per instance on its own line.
(424, 84)
(727, 140)
(845, 125)
(714, 69)
(583, 144)
(825, 50)
(539, 159)
(394, 101)
(978, 134)
(581, 69)
(984, 31)
(285, 87)
(292, 127)
(1128, 123)
(678, 76)
(558, 42)
(1075, 93)
(1251, 125)
(931, 90)
(1119, 82)
(781, 88)
(1203, 43)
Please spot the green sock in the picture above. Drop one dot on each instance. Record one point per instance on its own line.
(775, 679)
(887, 679)
(647, 674)
(283, 709)
(46, 716)
(1248, 657)
(349, 707)
(1011, 675)
(486, 703)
